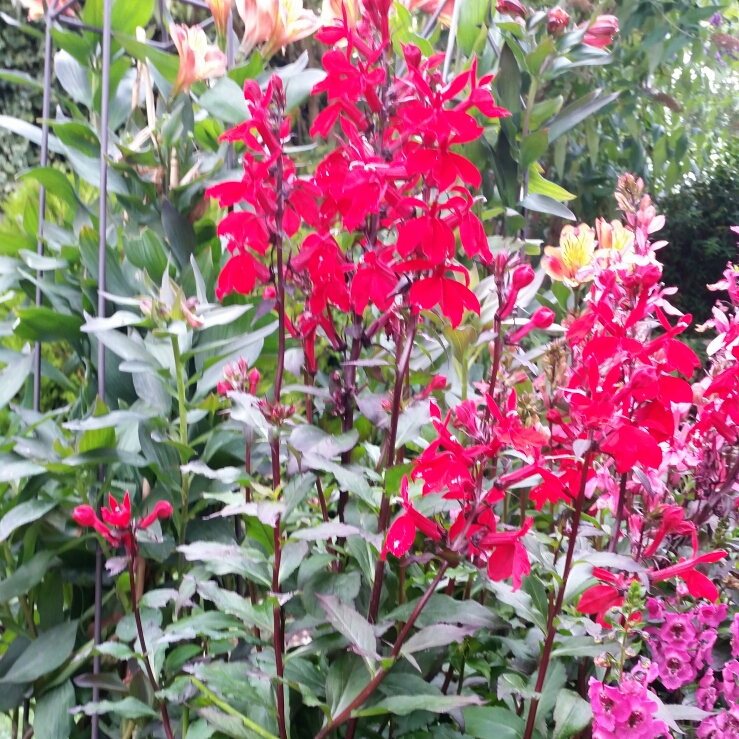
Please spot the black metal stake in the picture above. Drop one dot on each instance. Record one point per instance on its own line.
(45, 112)
(102, 259)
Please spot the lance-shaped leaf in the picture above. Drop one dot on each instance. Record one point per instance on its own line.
(350, 623)
(438, 635)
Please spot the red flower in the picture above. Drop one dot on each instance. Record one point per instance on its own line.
(507, 556)
(511, 7)
(601, 598)
(452, 296)
(240, 275)
(374, 281)
(557, 20)
(121, 530)
(401, 534)
(630, 445)
(698, 584)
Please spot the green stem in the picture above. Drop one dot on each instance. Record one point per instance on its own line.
(179, 374)
(256, 728)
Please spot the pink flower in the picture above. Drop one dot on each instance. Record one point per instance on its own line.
(602, 31)
(678, 631)
(655, 609)
(735, 636)
(557, 20)
(624, 712)
(675, 668)
(730, 673)
(712, 615)
(511, 7)
(707, 693)
(199, 60)
(725, 725)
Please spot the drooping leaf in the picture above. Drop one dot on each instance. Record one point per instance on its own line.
(129, 707)
(28, 575)
(571, 714)
(23, 513)
(44, 654)
(438, 635)
(350, 623)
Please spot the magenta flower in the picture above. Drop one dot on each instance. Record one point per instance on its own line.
(624, 712)
(678, 631)
(712, 615)
(676, 668)
(707, 693)
(735, 636)
(730, 673)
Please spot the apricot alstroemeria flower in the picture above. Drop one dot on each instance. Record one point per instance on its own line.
(220, 10)
(199, 60)
(569, 261)
(614, 235)
(36, 8)
(275, 23)
(431, 6)
(332, 11)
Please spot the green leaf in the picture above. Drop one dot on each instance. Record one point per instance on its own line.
(126, 16)
(544, 110)
(443, 608)
(73, 77)
(23, 513)
(538, 185)
(545, 204)
(248, 71)
(20, 78)
(571, 714)
(439, 635)
(52, 719)
(508, 80)
(402, 705)
(96, 438)
(350, 623)
(471, 17)
(582, 646)
(30, 132)
(44, 655)
(167, 64)
(484, 722)
(346, 679)
(226, 559)
(225, 101)
(46, 325)
(179, 232)
(299, 86)
(13, 377)
(533, 147)
(55, 182)
(27, 576)
(130, 708)
(578, 112)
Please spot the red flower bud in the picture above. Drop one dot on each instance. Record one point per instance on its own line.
(543, 318)
(270, 292)
(522, 276)
(602, 31)
(163, 509)
(254, 378)
(557, 20)
(511, 7)
(223, 388)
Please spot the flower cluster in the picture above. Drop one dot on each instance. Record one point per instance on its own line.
(625, 710)
(117, 526)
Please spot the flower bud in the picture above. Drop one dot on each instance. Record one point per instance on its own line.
(223, 388)
(557, 20)
(543, 318)
(511, 7)
(601, 32)
(270, 293)
(254, 378)
(522, 276)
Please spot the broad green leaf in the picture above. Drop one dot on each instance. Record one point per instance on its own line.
(438, 635)
(30, 132)
(471, 16)
(443, 608)
(225, 101)
(583, 646)
(51, 717)
(571, 714)
(402, 705)
(533, 147)
(350, 623)
(13, 467)
(21, 78)
(179, 232)
(11, 695)
(225, 559)
(73, 77)
(540, 186)
(484, 722)
(126, 16)
(508, 80)
(546, 204)
(544, 110)
(46, 325)
(44, 655)
(299, 86)
(129, 707)
(23, 513)
(13, 377)
(55, 182)
(167, 64)
(146, 252)
(346, 678)
(578, 111)
(27, 575)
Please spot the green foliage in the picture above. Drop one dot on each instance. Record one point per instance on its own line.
(698, 219)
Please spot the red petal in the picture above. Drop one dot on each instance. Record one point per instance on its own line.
(400, 537)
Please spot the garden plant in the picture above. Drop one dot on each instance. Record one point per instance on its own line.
(344, 450)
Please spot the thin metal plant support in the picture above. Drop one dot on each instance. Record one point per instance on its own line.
(45, 109)
(102, 264)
